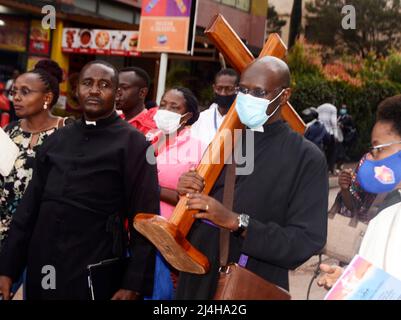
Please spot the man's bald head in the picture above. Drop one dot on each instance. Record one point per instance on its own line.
(269, 78)
(273, 69)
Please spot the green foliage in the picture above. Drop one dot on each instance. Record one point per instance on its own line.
(393, 67)
(373, 69)
(377, 26)
(205, 96)
(325, 13)
(274, 23)
(311, 90)
(313, 84)
(178, 75)
(302, 62)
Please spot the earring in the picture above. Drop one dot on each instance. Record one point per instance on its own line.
(45, 105)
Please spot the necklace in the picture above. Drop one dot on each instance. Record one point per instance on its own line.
(26, 129)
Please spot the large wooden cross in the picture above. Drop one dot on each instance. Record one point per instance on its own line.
(169, 236)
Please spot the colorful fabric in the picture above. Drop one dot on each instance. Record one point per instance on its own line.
(174, 159)
(144, 121)
(13, 187)
(363, 199)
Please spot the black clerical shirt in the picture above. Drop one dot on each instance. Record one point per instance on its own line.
(85, 178)
(286, 198)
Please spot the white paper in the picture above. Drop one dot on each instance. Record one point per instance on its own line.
(363, 281)
(8, 153)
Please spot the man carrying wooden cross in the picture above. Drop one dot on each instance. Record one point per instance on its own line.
(279, 216)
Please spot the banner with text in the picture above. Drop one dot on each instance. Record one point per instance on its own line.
(165, 26)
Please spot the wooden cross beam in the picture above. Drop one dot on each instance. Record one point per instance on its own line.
(169, 235)
(239, 57)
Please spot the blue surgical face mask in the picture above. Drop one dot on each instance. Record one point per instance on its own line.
(382, 175)
(343, 111)
(252, 110)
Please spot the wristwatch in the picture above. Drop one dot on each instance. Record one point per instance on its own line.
(243, 222)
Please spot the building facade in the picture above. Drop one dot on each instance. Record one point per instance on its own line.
(23, 41)
(284, 8)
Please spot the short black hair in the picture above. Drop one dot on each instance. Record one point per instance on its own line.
(140, 73)
(389, 110)
(227, 72)
(105, 63)
(191, 103)
(51, 75)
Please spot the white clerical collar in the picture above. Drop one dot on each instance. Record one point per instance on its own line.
(90, 123)
(259, 129)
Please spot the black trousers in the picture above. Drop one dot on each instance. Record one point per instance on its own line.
(330, 152)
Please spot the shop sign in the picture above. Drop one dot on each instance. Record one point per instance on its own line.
(97, 41)
(39, 39)
(13, 34)
(165, 26)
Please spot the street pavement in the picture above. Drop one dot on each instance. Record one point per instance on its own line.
(302, 276)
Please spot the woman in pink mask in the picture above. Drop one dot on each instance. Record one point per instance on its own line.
(380, 173)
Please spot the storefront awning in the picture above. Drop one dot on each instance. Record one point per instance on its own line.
(68, 13)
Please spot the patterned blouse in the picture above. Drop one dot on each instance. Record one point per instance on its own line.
(13, 186)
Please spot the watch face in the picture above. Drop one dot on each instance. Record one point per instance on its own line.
(244, 220)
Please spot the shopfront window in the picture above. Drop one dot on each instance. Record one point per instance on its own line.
(116, 11)
(229, 2)
(89, 5)
(244, 5)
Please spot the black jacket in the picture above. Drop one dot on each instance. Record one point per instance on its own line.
(285, 196)
(84, 176)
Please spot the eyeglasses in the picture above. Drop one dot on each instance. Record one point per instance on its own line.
(227, 89)
(23, 92)
(258, 93)
(374, 151)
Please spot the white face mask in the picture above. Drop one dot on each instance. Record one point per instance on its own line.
(252, 110)
(167, 121)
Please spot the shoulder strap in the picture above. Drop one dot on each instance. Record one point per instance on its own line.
(228, 199)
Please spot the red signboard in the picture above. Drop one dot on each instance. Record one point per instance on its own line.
(96, 41)
(39, 39)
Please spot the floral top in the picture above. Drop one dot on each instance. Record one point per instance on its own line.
(13, 186)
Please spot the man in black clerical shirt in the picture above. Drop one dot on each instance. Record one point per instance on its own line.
(88, 179)
(279, 216)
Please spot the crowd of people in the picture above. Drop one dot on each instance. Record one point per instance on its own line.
(76, 185)
(333, 132)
